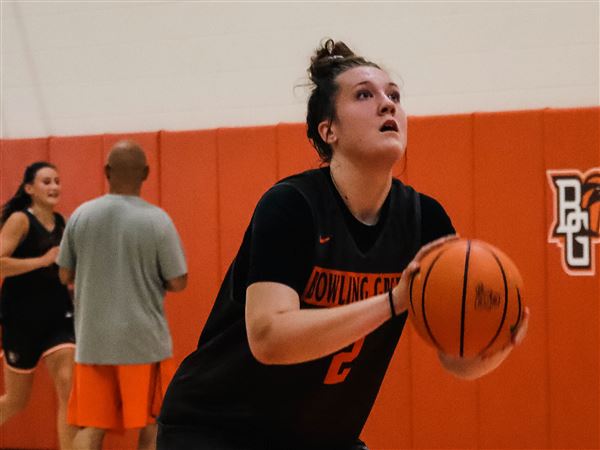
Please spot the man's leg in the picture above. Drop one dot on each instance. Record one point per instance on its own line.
(147, 438)
(89, 438)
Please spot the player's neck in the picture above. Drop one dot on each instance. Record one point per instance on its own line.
(364, 192)
(45, 214)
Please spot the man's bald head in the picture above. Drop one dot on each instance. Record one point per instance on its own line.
(126, 167)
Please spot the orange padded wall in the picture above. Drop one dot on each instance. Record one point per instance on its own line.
(489, 172)
(189, 183)
(508, 193)
(571, 140)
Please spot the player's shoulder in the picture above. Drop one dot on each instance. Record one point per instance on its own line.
(428, 204)
(293, 191)
(431, 206)
(435, 221)
(308, 181)
(283, 205)
(282, 194)
(18, 221)
(60, 219)
(14, 231)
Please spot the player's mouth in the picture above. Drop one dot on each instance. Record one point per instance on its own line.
(389, 125)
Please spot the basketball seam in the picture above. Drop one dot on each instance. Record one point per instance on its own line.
(464, 299)
(410, 292)
(433, 339)
(514, 326)
(505, 302)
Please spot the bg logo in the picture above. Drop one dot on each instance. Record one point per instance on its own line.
(576, 226)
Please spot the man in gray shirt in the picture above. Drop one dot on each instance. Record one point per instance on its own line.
(123, 254)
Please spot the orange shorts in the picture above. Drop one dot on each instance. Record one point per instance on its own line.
(118, 397)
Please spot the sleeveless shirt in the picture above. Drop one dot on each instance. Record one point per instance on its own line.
(322, 403)
(38, 295)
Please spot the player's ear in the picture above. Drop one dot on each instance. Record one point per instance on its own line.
(327, 132)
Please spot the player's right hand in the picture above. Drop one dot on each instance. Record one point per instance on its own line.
(49, 257)
(400, 292)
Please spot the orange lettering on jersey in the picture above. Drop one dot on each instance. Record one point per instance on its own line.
(328, 287)
(336, 373)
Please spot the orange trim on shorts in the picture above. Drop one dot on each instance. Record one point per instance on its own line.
(57, 348)
(117, 397)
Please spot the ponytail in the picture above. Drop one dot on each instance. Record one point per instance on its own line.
(22, 200)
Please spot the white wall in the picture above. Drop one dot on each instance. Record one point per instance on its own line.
(72, 68)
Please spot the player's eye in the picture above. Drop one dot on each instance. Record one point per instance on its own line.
(363, 94)
(394, 96)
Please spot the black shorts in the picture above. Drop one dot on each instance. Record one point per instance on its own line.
(24, 343)
(185, 438)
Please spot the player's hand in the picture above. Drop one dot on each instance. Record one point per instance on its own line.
(49, 257)
(401, 291)
(520, 332)
(517, 336)
(473, 368)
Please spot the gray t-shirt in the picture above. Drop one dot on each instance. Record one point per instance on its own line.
(122, 249)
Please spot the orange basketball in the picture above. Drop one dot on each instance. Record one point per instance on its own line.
(467, 298)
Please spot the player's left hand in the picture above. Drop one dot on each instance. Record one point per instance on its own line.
(473, 368)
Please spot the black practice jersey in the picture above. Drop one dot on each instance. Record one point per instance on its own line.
(36, 296)
(303, 235)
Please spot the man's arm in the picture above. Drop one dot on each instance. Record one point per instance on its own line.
(176, 284)
(171, 259)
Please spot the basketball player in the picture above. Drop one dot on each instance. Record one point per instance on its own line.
(36, 309)
(309, 313)
(123, 253)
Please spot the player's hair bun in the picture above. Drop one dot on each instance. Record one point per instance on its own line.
(329, 60)
(329, 56)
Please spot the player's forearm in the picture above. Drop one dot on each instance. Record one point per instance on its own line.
(66, 275)
(297, 336)
(9, 267)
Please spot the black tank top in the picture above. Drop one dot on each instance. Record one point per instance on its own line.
(318, 404)
(334, 394)
(37, 295)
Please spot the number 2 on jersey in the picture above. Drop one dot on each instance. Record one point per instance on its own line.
(336, 373)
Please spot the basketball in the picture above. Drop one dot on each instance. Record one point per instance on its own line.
(466, 299)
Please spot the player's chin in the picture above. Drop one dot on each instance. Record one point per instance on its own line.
(52, 201)
(391, 152)
(394, 142)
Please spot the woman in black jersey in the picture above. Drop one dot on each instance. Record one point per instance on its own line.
(310, 311)
(36, 309)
